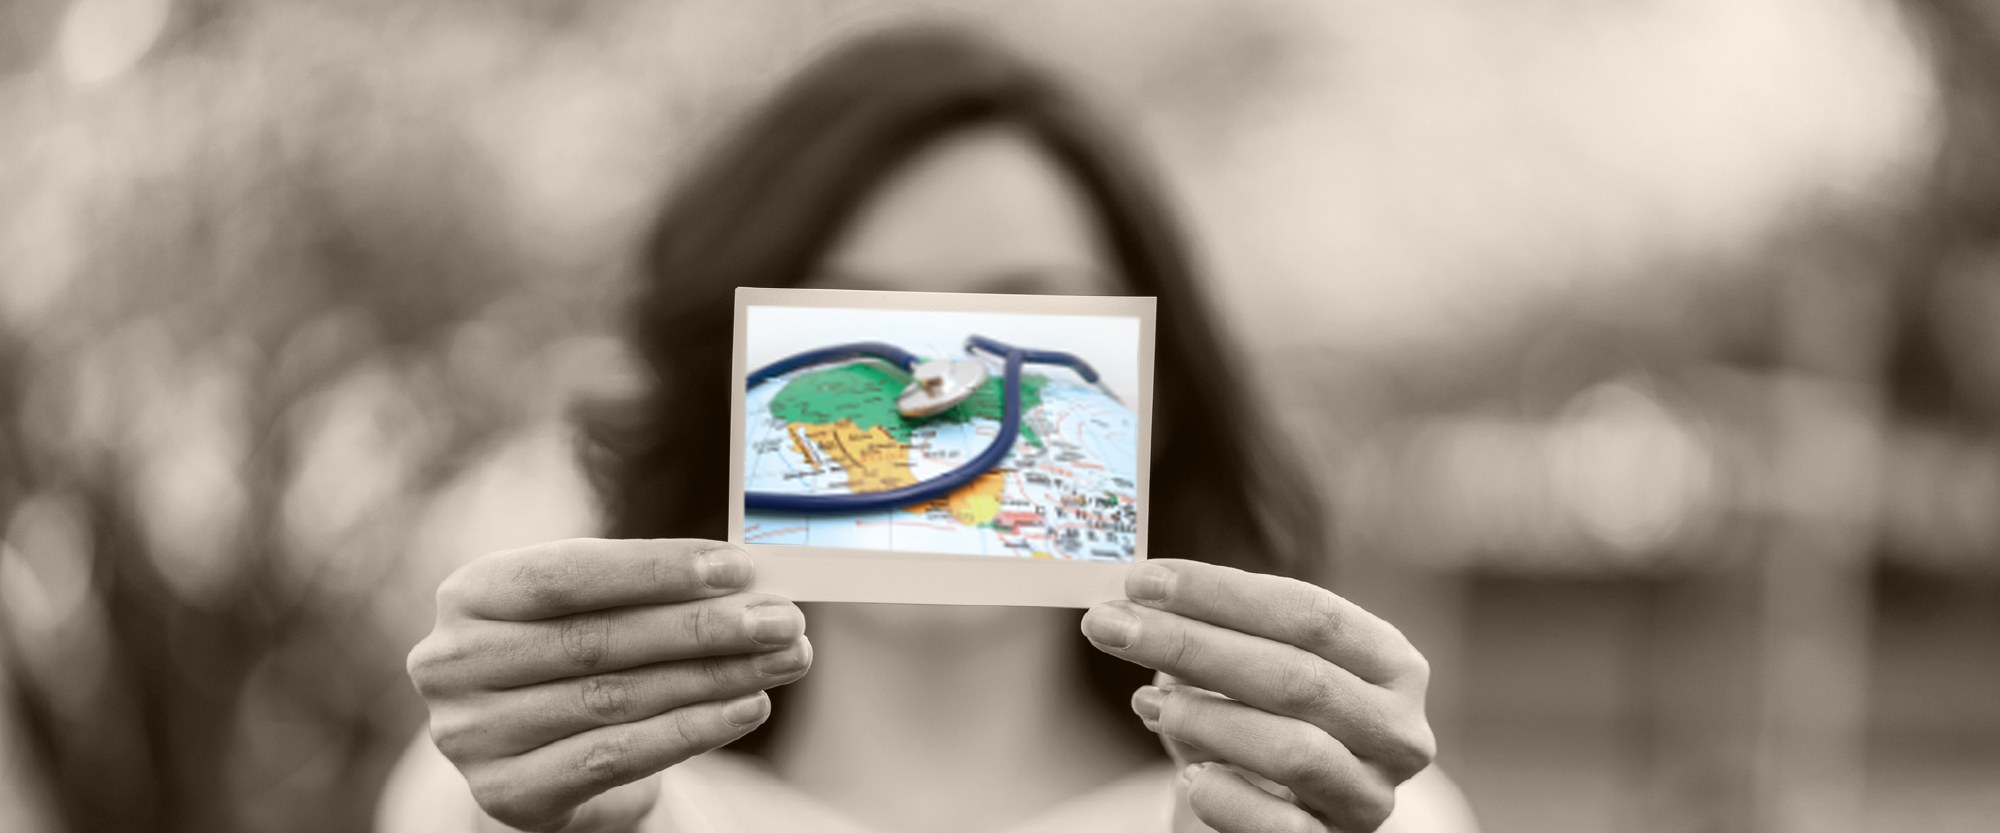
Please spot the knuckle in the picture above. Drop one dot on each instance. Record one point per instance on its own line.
(660, 572)
(545, 581)
(610, 698)
(706, 626)
(1413, 753)
(1371, 808)
(719, 673)
(1400, 658)
(1180, 649)
(605, 762)
(679, 570)
(1415, 665)
(1304, 756)
(1376, 728)
(1303, 688)
(449, 733)
(430, 665)
(683, 737)
(1318, 616)
(473, 580)
(1425, 745)
(586, 640)
(452, 591)
(419, 665)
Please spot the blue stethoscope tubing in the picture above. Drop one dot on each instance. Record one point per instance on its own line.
(1014, 359)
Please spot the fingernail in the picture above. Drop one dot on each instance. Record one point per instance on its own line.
(774, 624)
(725, 567)
(747, 710)
(1188, 773)
(779, 663)
(1149, 583)
(1146, 702)
(1111, 627)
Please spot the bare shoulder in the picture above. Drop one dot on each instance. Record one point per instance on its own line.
(1431, 803)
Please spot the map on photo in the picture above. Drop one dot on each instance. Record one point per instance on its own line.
(1067, 490)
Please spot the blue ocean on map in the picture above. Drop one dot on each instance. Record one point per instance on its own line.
(1068, 489)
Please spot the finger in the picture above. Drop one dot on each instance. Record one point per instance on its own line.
(1282, 609)
(583, 574)
(495, 655)
(501, 723)
(1318, 770)
(541, 789)
(1222, 799)
(1180, 751)
(1374, 722)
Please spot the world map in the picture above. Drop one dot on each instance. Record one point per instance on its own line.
(1067, 489)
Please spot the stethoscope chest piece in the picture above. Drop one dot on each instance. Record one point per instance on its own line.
(938, 385)
(935, 386)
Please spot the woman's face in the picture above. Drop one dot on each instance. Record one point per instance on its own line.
(984, 210)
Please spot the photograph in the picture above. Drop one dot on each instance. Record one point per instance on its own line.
(999, 416)
(944, 441)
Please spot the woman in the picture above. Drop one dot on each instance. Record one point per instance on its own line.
(583, 685)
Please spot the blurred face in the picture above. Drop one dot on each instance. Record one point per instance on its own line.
(985, 210)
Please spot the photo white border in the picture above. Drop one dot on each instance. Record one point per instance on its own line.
(828, 574)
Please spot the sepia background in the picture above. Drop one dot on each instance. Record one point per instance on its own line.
(1650, 353)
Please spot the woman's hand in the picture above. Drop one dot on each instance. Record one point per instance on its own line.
(1276, 678)
(560, 671)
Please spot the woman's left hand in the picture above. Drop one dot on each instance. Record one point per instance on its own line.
(1276, 678)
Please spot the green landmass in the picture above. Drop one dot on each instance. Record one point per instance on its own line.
(866, 393)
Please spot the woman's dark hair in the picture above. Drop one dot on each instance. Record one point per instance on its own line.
(769, 200)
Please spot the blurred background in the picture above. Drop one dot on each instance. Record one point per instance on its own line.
(1651, 354)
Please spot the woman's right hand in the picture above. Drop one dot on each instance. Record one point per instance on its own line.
(560, 671)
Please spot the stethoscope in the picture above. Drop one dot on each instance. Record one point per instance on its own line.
(935, 387)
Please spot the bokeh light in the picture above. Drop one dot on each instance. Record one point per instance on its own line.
(1646, 353)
